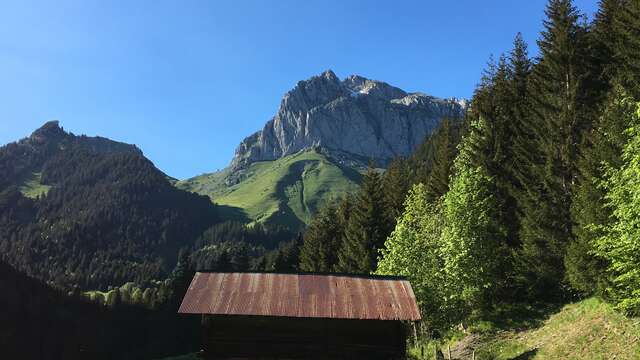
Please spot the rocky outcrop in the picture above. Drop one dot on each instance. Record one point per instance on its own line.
(355, 119)
(53, 135)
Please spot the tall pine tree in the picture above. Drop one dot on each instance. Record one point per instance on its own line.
(322, 240)
(556, 90)
(444, 148)
(585, 272)
(395, 184)
(367, 228)
(627, 45)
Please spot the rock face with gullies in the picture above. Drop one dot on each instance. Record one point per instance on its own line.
(356, 119)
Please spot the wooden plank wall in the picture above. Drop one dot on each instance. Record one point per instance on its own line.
(253, 337)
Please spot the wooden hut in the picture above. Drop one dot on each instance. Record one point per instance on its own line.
(301, 316)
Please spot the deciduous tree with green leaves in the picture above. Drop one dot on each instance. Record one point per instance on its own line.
(619, 244)
(473, 241)
(584, 271)
(414, 250)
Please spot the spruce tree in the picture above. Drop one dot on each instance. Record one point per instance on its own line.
(524, 153)
(443, 150)
(322, 240)
(492, 105)
(627, 43)
(545, 224)
(585, 272)
(605, 40)
(287, 256)
(395, 184)
(521, 153)
(366, 229)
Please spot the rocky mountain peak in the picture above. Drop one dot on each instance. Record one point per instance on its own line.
(49, 132)
(359, 85)
(357, 118)
(317, 90)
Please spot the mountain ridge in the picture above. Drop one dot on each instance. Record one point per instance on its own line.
(338, 127)
(358, 116)
(21, 161)
(92, 212)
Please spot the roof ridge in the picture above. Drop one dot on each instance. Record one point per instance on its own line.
(320, 273)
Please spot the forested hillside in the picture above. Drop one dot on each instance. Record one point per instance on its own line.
(347, 234)
(108, 215)
(532, 199)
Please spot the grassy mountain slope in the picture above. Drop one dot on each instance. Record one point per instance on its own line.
(286, 191)
(589, 329)
(32, 187)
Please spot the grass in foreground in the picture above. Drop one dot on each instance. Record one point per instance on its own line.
(589, 329)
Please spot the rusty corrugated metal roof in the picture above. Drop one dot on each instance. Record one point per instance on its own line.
(301, 295)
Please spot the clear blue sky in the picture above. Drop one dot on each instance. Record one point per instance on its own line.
(187, 80)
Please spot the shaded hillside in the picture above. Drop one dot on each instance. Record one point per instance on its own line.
(108, 215)
(39, 322)
(287, 191)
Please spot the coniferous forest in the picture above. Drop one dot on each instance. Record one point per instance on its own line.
(531, 199)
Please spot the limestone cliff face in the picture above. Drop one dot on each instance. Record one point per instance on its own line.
(354, 119)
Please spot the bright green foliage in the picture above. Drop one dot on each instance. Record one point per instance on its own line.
(367, 228)
(472, 240)
(620, 242)
(414, 250)
(452, 252)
